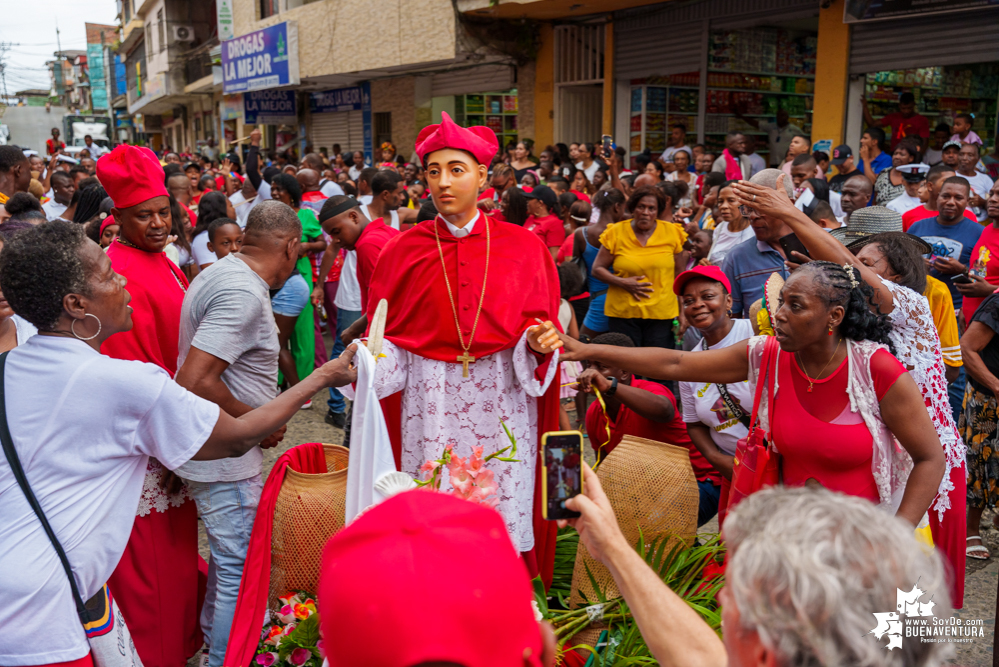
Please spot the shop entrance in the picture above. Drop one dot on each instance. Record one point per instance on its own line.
(580, 111)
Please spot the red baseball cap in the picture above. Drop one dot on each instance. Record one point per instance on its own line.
(427, 577)
(710, 271)
(480, 141)
(131, 175)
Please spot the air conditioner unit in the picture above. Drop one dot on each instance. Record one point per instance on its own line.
(182, 33)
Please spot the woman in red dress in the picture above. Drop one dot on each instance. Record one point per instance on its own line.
(156, 581)
(840, 399)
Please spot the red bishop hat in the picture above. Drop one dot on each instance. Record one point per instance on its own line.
(131, 175)
(479, 141)
(427, 577)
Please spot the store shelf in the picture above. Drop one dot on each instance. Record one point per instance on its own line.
(790, 76)
(764, 92)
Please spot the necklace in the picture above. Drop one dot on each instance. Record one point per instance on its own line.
(465, 358)
(811, 382)
(132, 245)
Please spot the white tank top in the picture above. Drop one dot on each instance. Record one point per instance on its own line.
(393, 220)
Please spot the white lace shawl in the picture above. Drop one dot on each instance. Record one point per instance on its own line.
(153, 498)
(891, 464)
(917, 346)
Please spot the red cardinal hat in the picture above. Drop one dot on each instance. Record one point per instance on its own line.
(479, 141)
(131, 175)
(426, 577)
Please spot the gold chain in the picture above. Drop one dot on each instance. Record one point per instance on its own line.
(450, 296)
(132, 245)
(811, 382)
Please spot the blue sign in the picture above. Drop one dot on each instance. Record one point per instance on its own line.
(262, 59)
(270, 107)
(354, 98)
(121, 86)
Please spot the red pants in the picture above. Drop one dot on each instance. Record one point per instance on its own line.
(85, 661)
(950, 535)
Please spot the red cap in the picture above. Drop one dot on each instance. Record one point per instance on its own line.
(108, 220)
(426, 577)
(131, 175)
(709, 271)
(479, 141)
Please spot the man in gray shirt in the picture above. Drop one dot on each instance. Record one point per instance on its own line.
(228, 354)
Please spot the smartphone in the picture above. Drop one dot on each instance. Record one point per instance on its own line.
(562, 472)
(608, 145)
(962, 279)
(791, 243)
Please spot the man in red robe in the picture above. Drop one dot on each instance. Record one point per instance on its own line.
(156, 581)
(463, 348)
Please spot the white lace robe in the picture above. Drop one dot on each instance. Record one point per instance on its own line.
(917, 346)
(439, 406)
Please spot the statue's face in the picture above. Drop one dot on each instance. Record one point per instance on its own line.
(455, 179)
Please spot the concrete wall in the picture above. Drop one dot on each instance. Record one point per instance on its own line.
(526, 108)
(544, 89)
(342, 36)
(396, 96)
(831, 75)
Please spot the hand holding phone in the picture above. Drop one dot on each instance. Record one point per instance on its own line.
(791, 243)
(562, 473)
(607, 148)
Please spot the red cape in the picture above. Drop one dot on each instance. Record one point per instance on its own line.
(522, 285)
(157, 287)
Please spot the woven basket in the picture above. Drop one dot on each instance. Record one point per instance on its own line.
(309, 510)
(652, 489)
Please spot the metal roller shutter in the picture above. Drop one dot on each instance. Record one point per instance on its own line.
(928, 41)
(483, 79)
(663, 41)
(344, 128)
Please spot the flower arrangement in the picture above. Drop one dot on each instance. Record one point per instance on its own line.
(470, 478)
(296, 638)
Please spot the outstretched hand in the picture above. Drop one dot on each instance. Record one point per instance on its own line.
(572, 349)
(772, 202)
(543, 338)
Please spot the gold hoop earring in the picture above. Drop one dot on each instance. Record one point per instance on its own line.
(72, 328)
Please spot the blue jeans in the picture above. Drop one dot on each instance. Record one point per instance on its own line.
(707, 505)
(228, 510)
(955, 394)
(344, 318)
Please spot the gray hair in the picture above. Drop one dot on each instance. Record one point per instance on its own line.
(768, 178)
(273, 220)
(808, 568)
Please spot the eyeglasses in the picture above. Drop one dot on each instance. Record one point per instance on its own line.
(748, 212)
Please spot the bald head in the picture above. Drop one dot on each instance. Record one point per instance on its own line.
(308, 179)
(768, 178)
(271, 222)
(644, 181)
(313, 161)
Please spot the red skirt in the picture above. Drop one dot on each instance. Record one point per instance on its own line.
(156, 586)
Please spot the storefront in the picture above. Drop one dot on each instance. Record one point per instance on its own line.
(484, 95)
(714, 75)
(341, 116)
(957, 71)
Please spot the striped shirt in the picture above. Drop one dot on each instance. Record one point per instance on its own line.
(748, 265)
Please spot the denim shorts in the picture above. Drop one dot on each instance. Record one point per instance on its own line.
(291, 299)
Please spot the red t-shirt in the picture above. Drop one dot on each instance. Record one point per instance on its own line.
(581, 195)
(984, 263)
(51, 148)
(368, 247)
(489, 193)
(631, 423)
(901, 127)
(549, 228)
(914, 215)
(817, 434)
(565, 252)
(313, 196)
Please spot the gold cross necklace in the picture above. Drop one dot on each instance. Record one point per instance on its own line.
(464, 358)
(801, 364)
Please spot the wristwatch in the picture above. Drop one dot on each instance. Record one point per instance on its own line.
(613, 388)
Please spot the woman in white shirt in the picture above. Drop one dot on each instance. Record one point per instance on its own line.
(733, 228)
(83, 426)
(712, 424)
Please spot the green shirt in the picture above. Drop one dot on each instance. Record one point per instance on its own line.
(311, 230)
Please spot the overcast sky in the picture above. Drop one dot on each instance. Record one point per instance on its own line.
(29, 27)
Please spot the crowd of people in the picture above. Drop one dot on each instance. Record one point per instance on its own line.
(679, 282)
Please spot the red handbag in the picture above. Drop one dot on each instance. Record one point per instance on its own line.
(756, 464)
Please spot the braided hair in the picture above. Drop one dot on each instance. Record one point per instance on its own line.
(840, 286)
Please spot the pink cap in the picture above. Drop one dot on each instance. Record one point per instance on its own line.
(479, 141)
(711, 272)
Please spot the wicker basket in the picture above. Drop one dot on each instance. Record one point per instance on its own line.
(309, 510)
(652, 488)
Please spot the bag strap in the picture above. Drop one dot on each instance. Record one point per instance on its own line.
(22, 481)
(761, 382)
(733, 407)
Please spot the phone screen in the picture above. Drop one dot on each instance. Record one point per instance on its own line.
(563, 474)
(608, 142)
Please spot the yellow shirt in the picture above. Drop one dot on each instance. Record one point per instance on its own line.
(942, 307)
(654, 261)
